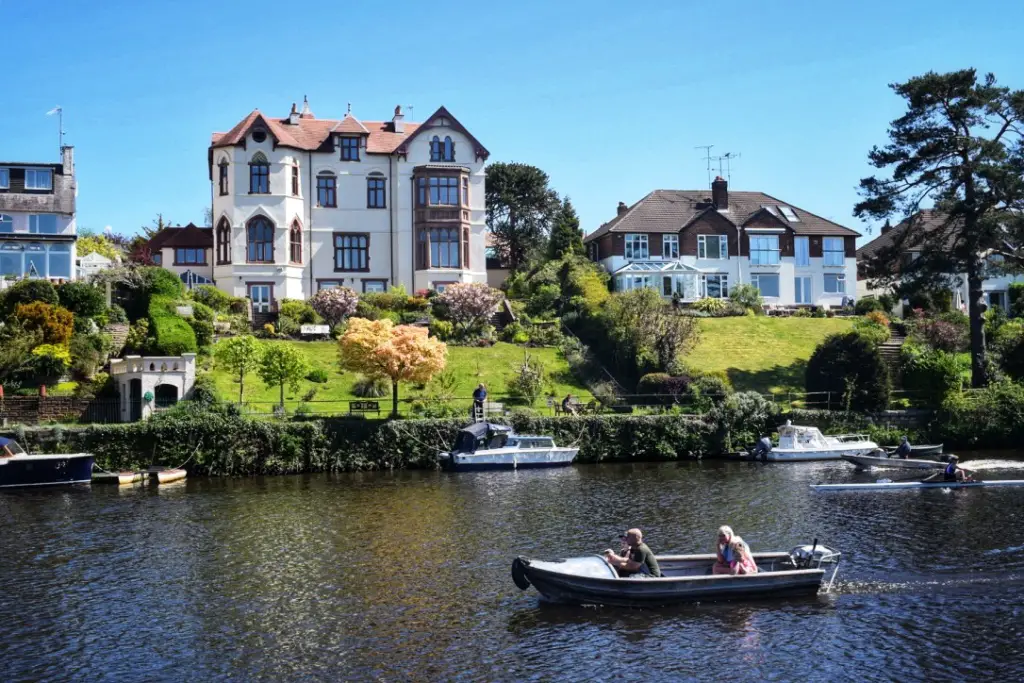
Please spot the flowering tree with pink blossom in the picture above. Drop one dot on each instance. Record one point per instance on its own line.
(470, 304)
(334, 305)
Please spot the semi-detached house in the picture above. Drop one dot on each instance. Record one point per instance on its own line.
(702, 244)
(302, 204)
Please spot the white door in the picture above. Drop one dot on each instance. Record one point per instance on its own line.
(803, 290)
(260, 296)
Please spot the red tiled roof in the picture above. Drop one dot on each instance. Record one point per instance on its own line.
(311, 133)
(666, 211)
(350, 124)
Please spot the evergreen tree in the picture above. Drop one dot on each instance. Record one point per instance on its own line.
(959, 147)
(520, 206)
(566, 236)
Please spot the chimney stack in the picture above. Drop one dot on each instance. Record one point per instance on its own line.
(398, 122)
(293, 116)
(306, 113)
(67, 157)
(623, 208)
(720, 193)
(886, 228)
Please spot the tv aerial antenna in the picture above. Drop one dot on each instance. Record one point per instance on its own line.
(707, 158)
(59, 111)
(727, 158)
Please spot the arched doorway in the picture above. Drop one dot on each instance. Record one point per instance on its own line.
(135, 400)
(165, 396)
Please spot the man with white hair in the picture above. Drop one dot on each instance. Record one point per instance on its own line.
(637, 558)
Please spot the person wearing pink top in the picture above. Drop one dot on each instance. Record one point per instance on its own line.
(743, 561)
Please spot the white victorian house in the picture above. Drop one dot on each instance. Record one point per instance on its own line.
(700, 244)
(302, 203)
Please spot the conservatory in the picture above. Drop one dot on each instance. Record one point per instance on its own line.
(668, 277)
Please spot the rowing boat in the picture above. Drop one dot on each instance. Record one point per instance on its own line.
(922, 451)
(888, 485)
(865, 461)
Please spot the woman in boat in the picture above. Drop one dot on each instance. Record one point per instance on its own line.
(724, 551)
(743, 561)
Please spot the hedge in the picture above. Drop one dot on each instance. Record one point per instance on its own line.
(172, 334)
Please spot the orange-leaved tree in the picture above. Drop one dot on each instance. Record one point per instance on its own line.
(378, 348)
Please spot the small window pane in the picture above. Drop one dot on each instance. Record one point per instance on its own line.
(5, 178)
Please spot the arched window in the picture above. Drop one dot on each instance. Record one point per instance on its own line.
(223, 241)
(6, 223)
(260, 241)
(60, 261)
(10, 259)
(326, 189)
(295, 243)
(435, 149)
(222, 174)
(259, 174)
(35, 260)
(449, 149)
(376, 196)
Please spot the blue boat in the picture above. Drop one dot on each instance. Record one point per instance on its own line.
(487, 446)
(19, 469)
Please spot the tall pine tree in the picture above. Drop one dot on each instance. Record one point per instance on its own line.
(520, 206)
(566, 236)
(959, 147)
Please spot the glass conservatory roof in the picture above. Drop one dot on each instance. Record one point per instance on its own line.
(656, 267)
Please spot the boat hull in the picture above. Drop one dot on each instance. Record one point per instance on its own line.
(593, 589)
(794, 455)
(518, 460)
(902, 485)
(46, 470)
(865, 461)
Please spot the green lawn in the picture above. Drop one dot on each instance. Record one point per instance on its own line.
(762, 353)
(471, 365)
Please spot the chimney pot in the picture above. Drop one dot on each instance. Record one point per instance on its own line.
(622, 208)
(720, 193)
(293, 116)
(886, 228)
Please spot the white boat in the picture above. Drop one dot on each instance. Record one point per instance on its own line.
(808, 443)
(487, 446)
(893, 485)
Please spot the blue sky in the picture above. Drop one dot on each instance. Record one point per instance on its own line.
(610, 99)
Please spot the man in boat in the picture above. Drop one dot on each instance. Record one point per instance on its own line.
(953, 472)
(903, 450)
(636, 558)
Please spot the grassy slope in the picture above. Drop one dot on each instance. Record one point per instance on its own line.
(471, 365)
(761, 353)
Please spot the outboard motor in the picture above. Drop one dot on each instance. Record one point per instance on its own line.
(761, 449)
(813, 556)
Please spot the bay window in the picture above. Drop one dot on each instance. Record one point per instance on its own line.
(636, 246)
(764, 250)
(712, 246)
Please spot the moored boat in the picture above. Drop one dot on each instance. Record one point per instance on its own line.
(686, 578)
(20, 469)
(797, 444)
(903, 485)
(922, 451)
(883, 461)
(487, 446)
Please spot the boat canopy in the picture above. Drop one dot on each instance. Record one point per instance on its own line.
(481, 435)
(11, 445)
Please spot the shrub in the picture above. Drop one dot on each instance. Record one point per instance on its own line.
(116, 314)
(317, 376)
(1015, 295)
(367, 311)
(528, 380)
(88, 352)
(747, 297)
(442, 329)
(138, 339)
(202, 312)
(203, 331)
(943, 335)
(209, 295)
(878, 318)
(543, 300)
(992, 417)
(933, 373)
(655, 385)
(334, 305)
(48, 363)
(874, 332)
(469, 304)
(299, 311)
(394, 299)
(513, 331)
(53, 322)
(29, 291)
(888, 302)
(802, 313)
(371, 387)
(84, 300)
(851, 368)
(287, 325)
(417, 303)
(413, 317)
(172, 334)
(742, 418)
(710, 305)
(867, 305)
(268, 329)
(715, 385)
(162, 282)
(545, 335)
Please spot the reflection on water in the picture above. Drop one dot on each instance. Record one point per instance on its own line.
(406, 576)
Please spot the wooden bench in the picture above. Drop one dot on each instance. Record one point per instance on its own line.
(364, 407)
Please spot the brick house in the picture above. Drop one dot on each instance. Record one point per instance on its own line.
(701, 244)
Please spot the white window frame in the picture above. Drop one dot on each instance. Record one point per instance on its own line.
(833, 257)
(723, 284)
(670, 246)
(773, 254)
(755, 279)
(840, 280)
(702, 247)
(802, 256)
(637, 241)
(34, 172)
(5, 178)
(802, 286)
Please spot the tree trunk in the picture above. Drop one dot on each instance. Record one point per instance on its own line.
(241, 387)
(394, 399)
(976, 305)
(282, 395)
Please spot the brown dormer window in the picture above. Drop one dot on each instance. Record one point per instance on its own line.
(350, 149)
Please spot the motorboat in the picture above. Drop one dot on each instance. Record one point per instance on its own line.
(885, 485)
(591, 580)
(880, 459)
(489, 446)
(19, 469)
(808, 443)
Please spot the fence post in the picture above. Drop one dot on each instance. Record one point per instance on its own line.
(828, 398)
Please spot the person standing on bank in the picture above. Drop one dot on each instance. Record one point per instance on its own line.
(637, 558)
(479, 396)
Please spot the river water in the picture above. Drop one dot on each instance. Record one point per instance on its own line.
(405, 576)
